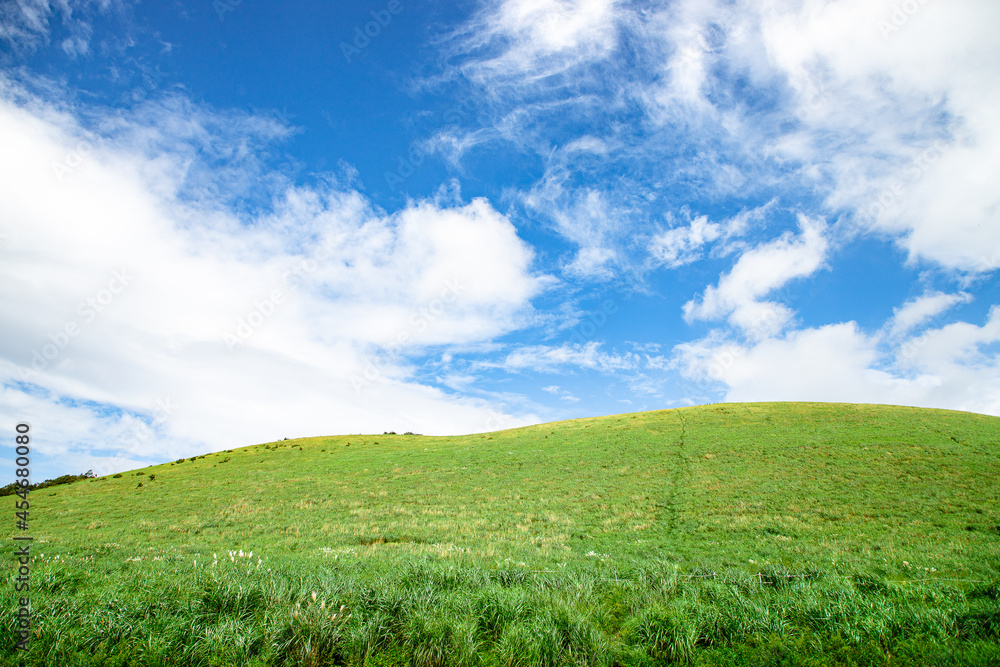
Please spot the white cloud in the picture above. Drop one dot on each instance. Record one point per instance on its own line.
(918, 311)
(813, 98)
(585, 218)
(958, 344)
(587, 144)
(683, 36)
(903, 122)
(26, 24)
(946, 368)
(683, 245)
(758, 272)
(551, 26)
(57, 426)
(453, 144)
(533, 39)
(548, 359)
(827, 363)
(563, 394)
(357, 291)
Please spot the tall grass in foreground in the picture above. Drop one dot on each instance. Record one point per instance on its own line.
(426, 612)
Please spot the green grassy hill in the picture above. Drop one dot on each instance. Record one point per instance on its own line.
(669, 511)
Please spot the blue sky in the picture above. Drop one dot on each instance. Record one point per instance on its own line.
(227, 222)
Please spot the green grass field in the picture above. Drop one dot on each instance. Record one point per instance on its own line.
(732, 534)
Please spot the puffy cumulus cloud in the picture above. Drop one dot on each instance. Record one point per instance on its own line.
(951, 367)
(824, 364)
(897, 102)
(128, 288)
(956, 344)
(425, 275)
(758, 272)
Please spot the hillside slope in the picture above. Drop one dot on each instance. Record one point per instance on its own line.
(719, 485)
(788, 534)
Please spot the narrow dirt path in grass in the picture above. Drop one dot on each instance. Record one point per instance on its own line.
(681, 471)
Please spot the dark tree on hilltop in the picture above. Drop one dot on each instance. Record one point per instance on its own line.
(12, 488)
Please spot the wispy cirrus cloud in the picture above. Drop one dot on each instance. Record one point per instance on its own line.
(519, 41)
(27, 24)
(764, 99)
(548, 358)
(684, 244)
(586, 219)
